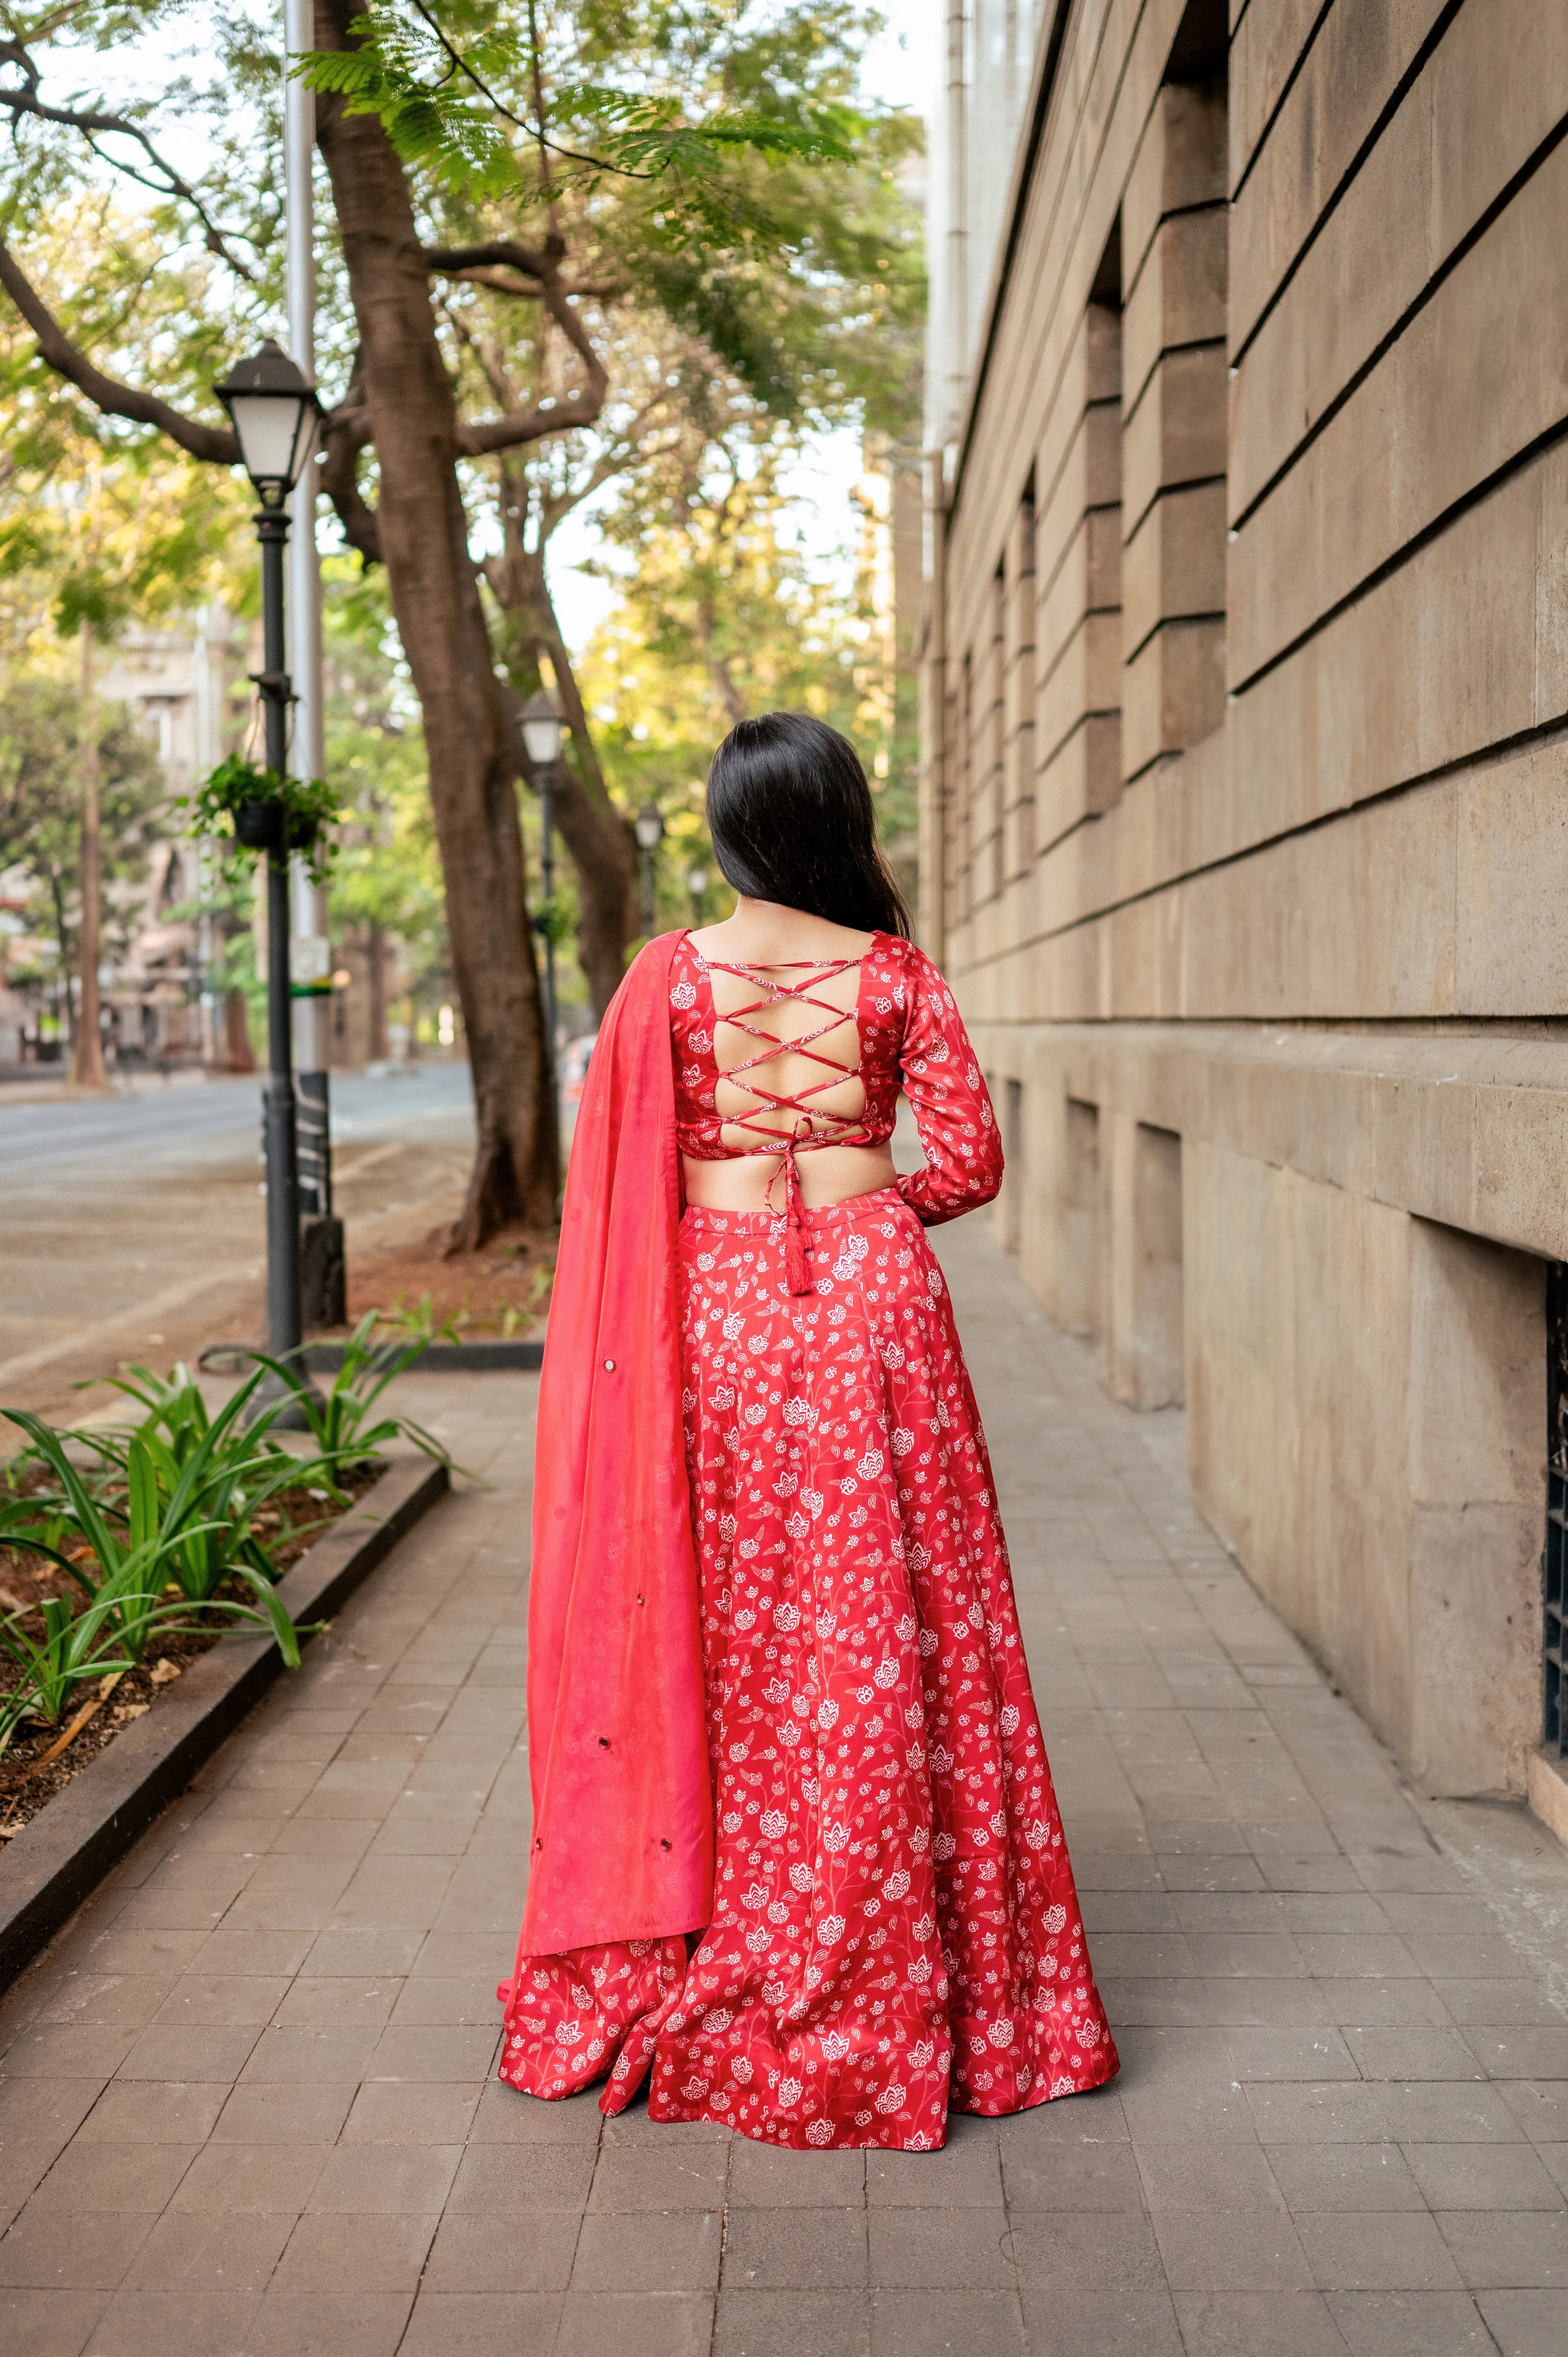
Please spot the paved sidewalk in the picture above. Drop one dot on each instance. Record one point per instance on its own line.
(247, 2101)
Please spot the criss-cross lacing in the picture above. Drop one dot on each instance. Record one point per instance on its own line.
(802, 1136)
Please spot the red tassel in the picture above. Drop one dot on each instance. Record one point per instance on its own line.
(795, 1272)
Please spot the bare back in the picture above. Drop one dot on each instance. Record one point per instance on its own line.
(785, 1093)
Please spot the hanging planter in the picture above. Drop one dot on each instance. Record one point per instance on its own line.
(263, 811)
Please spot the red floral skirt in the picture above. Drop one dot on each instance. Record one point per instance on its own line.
(894, 1928)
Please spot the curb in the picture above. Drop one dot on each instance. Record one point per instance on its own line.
(437, 1358)
(50, 1868)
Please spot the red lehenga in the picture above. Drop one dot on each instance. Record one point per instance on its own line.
(890, 1927)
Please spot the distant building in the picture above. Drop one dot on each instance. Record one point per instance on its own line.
(185, 684)
(1245, 766)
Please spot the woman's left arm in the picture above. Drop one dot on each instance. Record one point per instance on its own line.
(950, 1100)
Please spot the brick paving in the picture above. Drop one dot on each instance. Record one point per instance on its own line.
(247, 2103)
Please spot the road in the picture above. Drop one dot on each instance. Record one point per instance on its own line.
(129, 1223)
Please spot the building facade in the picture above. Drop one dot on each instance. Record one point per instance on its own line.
(1245, 780)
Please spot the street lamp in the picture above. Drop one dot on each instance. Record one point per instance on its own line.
(697, 885)
(648, 828)
(274, 413)
(542, 722)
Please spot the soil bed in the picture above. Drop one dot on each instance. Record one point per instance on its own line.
(28, 1580)
(497, 1294)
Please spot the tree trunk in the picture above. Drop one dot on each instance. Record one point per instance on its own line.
(597, 836)
(65, 1000)
(435, 603)
(87, 1050)
(239, 1055)
(729, 695)
(376, 972)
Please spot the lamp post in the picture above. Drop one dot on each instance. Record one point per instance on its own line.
(322, 1276)
(697, 885)
(648, 828)
(541, 721)
(274, 412)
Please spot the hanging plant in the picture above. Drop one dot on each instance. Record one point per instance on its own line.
(263, 811)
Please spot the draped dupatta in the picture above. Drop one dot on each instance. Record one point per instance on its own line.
(623, 1839)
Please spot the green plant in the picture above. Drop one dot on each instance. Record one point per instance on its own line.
(418, 1325)
(341, 1424)
(213, 1465)
(311, 806)
(138, 1549)
(76, 1646)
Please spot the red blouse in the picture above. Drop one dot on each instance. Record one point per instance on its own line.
(909, 1032)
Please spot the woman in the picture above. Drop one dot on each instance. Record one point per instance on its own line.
(797, 1859)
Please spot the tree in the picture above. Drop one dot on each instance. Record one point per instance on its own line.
(410, 113)
(781, 293)
(386, 885)
(43, 727)
(721, 614)
(88, 534)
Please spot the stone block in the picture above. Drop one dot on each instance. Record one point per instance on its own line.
(1090, 476)
(1175, 564)
(1180, 162)
(1265, 48)
(1082, 777)
(1460, 393)
(1178, 296)
(1084, 678)
(1173, 691)
(1346, 77)
(1064, 598)
(1512, 946)
(1177, 433)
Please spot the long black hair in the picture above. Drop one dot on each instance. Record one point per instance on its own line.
(791, 817)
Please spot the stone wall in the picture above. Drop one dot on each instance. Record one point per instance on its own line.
(1246, 712)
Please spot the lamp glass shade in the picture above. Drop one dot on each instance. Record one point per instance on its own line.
(648, 827)
(697, 881)
(274, 412)
(273, 434)
(541, 736)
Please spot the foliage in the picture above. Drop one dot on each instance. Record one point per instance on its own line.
(75, 1646)
(148, 1539)
(98, 523)
(435, 89)
(734, 252)
(310, 805)
(720, 613)
(387, 879)
(173, 1504)
(230, 1472)
(40, 795)
(343, 1425)
(418, 1323)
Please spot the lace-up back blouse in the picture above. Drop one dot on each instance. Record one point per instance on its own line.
(909, 1034)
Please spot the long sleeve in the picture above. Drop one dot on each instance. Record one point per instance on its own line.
(950, 1104)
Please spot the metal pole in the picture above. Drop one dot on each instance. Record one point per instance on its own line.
(284, 1329)
(311, 958)
(547, 876)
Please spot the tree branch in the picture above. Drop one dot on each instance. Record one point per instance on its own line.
(500, 286)
(579, 407)
(532, 262)
(216, 444)
(93, 124)
(346, 431)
